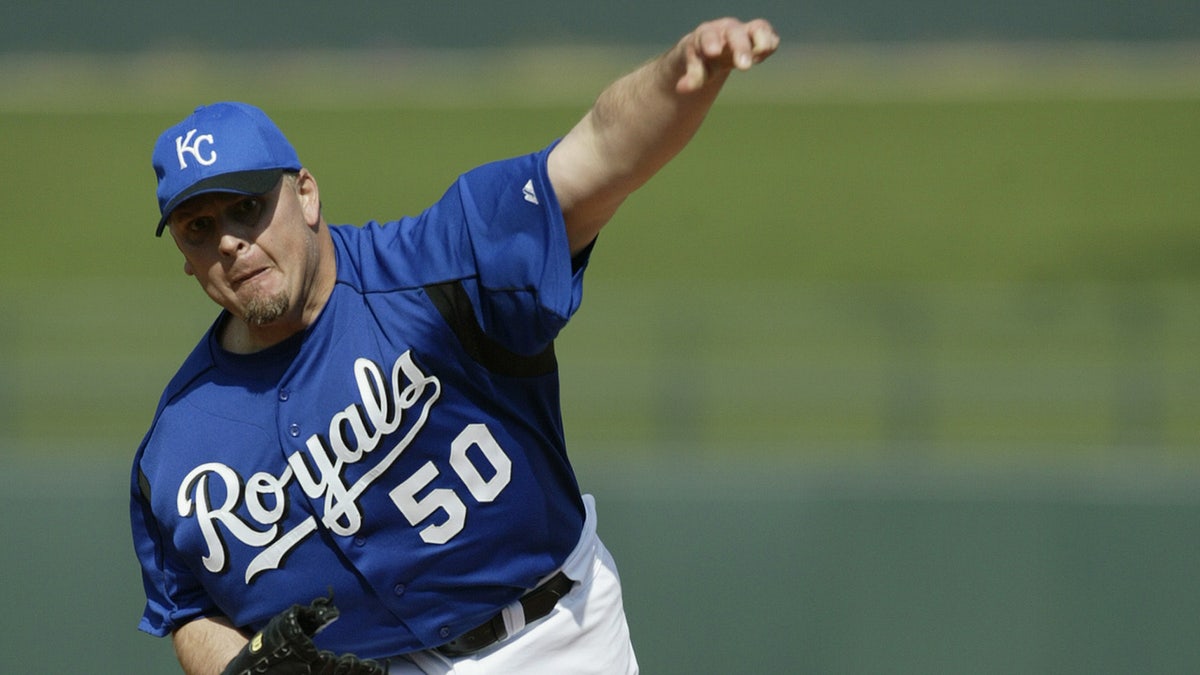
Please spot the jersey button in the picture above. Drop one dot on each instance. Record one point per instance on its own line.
(398, 589)
(294, 430)
(444, 632)
(360, 541)
(284, 394)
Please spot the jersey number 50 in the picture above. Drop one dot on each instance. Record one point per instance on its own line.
(484, 490)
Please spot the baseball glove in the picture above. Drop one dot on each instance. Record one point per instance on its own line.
(285, 647)
(347, 664)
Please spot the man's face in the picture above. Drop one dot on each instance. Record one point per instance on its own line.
(256, 256)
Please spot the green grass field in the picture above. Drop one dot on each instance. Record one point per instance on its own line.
(930, 191)
(980, 274)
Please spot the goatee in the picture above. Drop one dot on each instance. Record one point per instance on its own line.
(262, 311)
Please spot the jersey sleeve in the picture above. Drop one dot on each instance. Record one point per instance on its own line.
(518, 241)
(173, 595)
(499, 231)
(171, 600)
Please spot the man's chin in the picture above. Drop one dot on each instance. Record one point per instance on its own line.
(262, 312)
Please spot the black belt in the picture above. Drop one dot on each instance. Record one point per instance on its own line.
(536, 603)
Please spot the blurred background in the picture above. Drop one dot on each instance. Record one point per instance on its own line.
(896, 369)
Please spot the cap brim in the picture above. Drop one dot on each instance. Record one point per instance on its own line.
(239, 182)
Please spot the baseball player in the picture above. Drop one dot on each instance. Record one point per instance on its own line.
(361, 467)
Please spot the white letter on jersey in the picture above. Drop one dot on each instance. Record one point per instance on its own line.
(399, 407)
(207, 518)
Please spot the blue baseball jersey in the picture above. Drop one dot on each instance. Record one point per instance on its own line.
(406, 451)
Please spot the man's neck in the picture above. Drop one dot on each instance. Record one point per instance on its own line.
(237, 336)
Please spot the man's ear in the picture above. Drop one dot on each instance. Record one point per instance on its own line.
(310, 197)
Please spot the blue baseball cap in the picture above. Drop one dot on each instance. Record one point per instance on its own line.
(223, 147)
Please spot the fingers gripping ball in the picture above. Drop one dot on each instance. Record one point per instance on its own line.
(284, 646)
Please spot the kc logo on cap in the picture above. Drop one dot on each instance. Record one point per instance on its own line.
(223, 147)
(185, 144)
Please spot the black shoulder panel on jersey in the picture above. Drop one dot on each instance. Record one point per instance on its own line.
(454, 304)
(144, 485)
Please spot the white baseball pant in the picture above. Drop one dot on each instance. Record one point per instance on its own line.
(585, 633)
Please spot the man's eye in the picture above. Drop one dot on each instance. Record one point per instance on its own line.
(195, 231)
(199, 225)
(246, 211)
